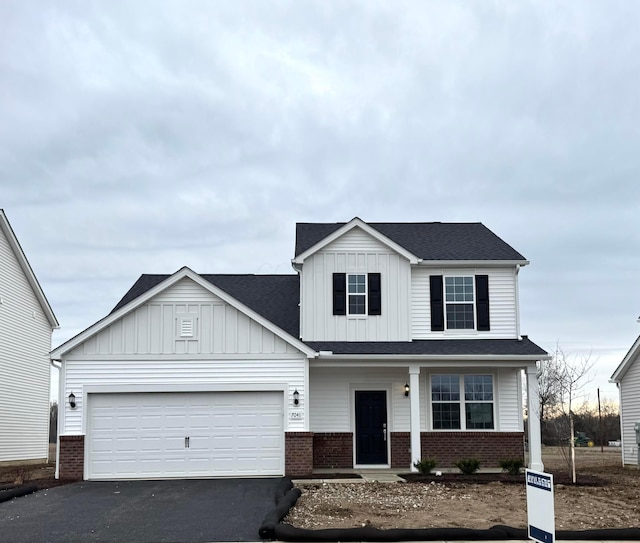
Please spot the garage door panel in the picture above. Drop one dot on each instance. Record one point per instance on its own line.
(142, 435)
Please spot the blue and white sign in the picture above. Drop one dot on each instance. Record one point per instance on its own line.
(540, 508)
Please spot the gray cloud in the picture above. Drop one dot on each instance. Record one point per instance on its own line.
(138, 139)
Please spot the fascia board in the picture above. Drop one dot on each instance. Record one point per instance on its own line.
(5, 226)
(425, 362)
(185, 272)
(629, 358)
(413, 259)
(389, 360)
(473, 263)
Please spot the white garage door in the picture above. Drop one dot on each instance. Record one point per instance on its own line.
(194, 434)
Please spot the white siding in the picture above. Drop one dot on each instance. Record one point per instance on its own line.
(180, 375)
(155, 327)
(502, 303)
(630, 411)
(355, 252)
(25, 341)
(331, 391)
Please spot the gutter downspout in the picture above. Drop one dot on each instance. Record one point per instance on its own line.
(517, 302)
(60, 414)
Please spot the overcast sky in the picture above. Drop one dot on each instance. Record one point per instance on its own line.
(140, 137)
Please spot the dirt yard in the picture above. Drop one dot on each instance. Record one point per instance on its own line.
(607, 496)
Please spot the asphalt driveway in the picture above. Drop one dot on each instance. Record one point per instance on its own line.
(141, 511)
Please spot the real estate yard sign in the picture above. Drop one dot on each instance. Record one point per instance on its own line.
(540, 510)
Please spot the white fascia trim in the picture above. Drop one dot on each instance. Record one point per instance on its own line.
(27, 270)
(160, 357)
(622, 369)
(185, 272)
(356, 222)
(473, 263)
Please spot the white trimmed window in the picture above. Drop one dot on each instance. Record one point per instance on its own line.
(357, 294)
(459, 303)
(462, 402)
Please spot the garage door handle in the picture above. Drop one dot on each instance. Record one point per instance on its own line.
(186, 442)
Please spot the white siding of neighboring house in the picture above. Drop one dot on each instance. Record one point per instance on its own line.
(331, 396)
(502, 303)
(144, 347)
(355, 252)
(630, 411)
(25, 341)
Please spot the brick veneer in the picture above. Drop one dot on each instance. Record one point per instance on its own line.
(488, 447)
(401, 450)
(71, 458)
(298, 454)
(333, 450)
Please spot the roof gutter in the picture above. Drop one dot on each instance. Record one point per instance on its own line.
(329, 355)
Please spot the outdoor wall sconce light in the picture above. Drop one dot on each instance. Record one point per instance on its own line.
(72, 400)
(406, 389)
(296, 397)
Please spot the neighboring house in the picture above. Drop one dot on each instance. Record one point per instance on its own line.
(392, 342)
(26, 324)
(627, 378)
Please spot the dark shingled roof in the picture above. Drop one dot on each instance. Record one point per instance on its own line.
(427, 240)
(275, 297)
(444, 347)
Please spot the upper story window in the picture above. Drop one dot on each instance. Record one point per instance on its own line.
(448, 404)
(357, 294)
(459, 303)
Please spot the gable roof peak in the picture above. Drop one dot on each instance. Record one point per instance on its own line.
(425, 241)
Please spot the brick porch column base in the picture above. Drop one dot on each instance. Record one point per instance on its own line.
(488, 447)
(401, 450)
(71, 458)
(298, 454)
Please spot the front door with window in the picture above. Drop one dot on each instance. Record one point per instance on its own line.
(371, 427)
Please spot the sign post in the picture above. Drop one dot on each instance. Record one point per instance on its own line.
(540, 508)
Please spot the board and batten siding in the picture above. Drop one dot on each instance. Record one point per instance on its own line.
(155, 328)
(182, 375)
(25, 342)
(355, 252)
(331, 396)
(502, 303)
(630, 411)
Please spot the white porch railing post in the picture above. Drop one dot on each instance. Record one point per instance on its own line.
(414, 397)
(533, 409)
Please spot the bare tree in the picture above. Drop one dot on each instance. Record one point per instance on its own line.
(572, 376)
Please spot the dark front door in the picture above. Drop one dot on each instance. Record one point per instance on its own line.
(371, 427)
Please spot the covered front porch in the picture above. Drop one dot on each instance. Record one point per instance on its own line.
(387, 414)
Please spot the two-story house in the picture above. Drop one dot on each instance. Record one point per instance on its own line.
(392, 342)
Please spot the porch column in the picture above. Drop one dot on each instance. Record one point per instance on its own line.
(414, 397)
(533, 409)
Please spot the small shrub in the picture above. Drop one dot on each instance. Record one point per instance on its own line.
(512, 465)
(468, 465)
(425, 465)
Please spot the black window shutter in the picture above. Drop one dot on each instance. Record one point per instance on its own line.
(437, 305)
(482, 303)
(375, 295)
(339, 293)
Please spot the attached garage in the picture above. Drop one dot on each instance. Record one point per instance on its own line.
(185, 434)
